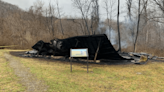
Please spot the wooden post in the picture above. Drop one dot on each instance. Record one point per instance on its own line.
(71, 64)
(97, 51)
(87, 66)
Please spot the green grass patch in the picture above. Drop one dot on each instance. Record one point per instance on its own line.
(102, 78)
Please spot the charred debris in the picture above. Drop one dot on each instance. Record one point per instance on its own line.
(96, 44)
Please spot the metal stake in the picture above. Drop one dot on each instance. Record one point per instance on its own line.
(87, 65)
(71, 64)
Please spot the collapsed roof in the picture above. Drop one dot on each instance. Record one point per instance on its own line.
(94, 43)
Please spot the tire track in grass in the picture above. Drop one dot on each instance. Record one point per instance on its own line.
(27, 79)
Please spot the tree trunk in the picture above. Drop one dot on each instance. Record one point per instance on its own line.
(118, 26)
(137, 26)
(60, 20)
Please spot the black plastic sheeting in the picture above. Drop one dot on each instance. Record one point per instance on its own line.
(61, 47)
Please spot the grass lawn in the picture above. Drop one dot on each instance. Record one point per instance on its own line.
(102, 78)
(8, 80)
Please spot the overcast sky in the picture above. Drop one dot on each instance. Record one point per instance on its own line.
(66, 6)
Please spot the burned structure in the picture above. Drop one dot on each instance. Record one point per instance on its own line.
(99, 47)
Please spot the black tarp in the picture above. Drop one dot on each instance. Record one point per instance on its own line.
(106, 50)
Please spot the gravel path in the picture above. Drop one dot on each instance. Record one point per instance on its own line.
(26, 78)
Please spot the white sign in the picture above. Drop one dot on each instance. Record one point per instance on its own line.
(79, 52)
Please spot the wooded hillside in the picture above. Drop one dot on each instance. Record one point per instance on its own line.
(25, 28)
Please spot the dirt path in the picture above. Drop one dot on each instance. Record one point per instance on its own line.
(26, 78)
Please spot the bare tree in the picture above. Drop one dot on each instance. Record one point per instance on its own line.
(84, 7)
(60, 18)
(89, 10)
(109, 10)
(51, 18)
(140, 10)
(95, 16)
(160, 3)
(129, 6)
(118, 26)
(139, 13)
